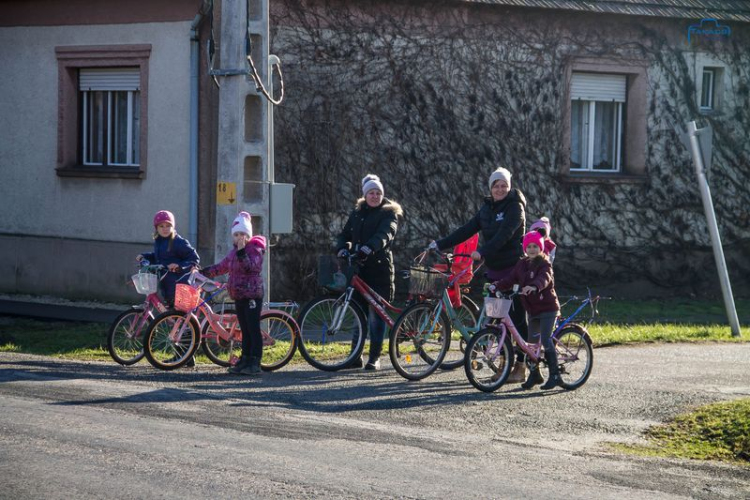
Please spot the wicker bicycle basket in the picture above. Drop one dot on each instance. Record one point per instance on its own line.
(186, 297)
(497, 308)
(427, 282)
(334, 273)
(145, 283)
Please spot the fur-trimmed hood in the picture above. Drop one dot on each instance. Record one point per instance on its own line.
(387, 204)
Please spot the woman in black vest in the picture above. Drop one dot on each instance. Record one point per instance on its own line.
(502, 222)
(370, 230)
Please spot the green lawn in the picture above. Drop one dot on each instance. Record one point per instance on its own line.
(719, 431)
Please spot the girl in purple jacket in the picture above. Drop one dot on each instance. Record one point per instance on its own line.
(534, 275)
(244, 264)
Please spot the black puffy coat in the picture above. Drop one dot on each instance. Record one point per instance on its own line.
(375, 228)
(503, 224)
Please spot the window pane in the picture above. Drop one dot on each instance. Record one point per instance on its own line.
(707, 89)
(97, 106)
(136, 146)
(604, 136)
(120, 127)
(579, 113)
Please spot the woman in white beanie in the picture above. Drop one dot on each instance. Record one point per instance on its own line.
(370, 231)
(502, 223)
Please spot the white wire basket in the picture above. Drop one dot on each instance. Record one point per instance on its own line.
(496, 308)
(145, 283)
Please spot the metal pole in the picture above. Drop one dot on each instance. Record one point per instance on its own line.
(713, 229)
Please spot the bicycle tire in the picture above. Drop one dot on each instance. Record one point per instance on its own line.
(280, 339)
(124, 345)
(221, 351)
(316, 345)
(164, 353)
(575, 356)
(415, 328)
(487, 367)
(468, 313)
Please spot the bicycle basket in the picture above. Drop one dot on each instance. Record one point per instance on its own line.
(186, 297)
(427, 282)
(334, 273)
(145, 283)
(496, 308)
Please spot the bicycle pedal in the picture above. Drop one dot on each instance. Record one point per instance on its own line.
(477, 365)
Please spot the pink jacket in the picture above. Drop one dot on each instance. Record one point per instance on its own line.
(244, 268)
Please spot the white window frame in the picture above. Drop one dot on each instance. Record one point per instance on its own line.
(109, 89)
(710, 92)
(586, 90)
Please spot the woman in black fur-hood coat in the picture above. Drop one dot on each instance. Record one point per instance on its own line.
(369, 232)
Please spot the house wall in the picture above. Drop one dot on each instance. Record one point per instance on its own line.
(433, 99)
(77, 236)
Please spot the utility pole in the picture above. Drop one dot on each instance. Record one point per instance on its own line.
(243, 141)
(701, 157)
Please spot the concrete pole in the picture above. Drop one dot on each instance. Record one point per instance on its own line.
(713, 229)
(242, 149)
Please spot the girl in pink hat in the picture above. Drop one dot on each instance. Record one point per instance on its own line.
(171, 251)
(533, 274)
(543, 227)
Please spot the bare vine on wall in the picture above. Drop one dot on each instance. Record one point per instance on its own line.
(433, 97)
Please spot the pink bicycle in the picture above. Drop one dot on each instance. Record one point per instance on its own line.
(125, 335)
(490, 355)
(174, 336)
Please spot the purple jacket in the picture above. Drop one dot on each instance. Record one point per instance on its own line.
(538, 273)
(244, 267)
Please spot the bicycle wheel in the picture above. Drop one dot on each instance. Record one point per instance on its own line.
(468, 314)
(488, 360)
(280, 336)
(332, 333)
(171, 340)
(222, 351)
(125, 336)
(575, 356)
(418, 341)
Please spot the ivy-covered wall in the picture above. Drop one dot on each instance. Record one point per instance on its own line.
(433, 96)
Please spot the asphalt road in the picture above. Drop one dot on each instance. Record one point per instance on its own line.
(98, 430)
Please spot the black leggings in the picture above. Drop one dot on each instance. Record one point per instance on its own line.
(248, 314)
(518, 316)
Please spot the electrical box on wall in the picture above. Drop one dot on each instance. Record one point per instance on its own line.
(281, 208)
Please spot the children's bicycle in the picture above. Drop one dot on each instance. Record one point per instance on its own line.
(125, 335)
(422, 335)
(490, 354)
(174, 336)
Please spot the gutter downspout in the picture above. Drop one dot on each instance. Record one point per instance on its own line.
(194, 76)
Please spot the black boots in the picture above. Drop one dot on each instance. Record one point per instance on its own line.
(535, 378)
(373, 360)
(252, 368)
(554, 371)
(246, 366)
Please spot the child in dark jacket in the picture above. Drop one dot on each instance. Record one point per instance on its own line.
(244, 264)
(171, 251)
(534, 275)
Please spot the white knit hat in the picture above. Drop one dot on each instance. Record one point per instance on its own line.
(370, 182)
(500, 173)
(242, 224)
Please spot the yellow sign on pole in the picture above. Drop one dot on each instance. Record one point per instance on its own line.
(226, 193)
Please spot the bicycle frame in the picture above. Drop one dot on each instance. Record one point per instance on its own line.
(378, 303)
(534, 350)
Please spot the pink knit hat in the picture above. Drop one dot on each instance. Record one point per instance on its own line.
(535, 238)
(163, 216)
(542, 223)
